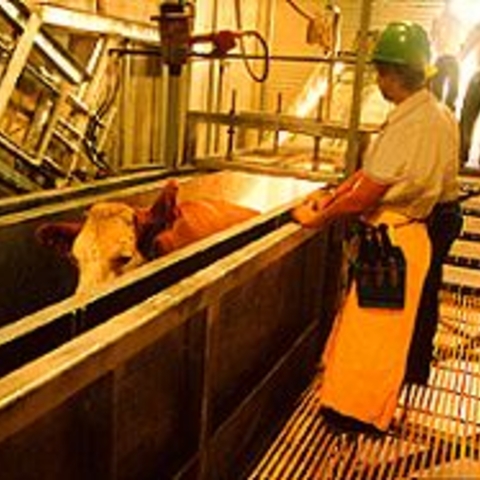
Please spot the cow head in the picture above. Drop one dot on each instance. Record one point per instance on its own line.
(113, 239)
(106, 246)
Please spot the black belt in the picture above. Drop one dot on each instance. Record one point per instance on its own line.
(449, 203)
(452, 204)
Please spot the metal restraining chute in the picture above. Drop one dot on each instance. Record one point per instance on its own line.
(180, 331)
(52, 279)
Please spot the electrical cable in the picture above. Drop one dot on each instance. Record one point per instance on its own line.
(299, 10)
(266, 68)
(95, 121)
(111, 92)
(252, 33)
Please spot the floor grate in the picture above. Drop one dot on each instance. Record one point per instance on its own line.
(436, 437)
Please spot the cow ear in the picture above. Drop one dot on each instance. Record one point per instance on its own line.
(164, 209)
(58, 235)
(159, 217)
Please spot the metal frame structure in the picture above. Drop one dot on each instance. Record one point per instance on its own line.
(237, 123)
(80, 86)
(58, 143)
(166, 331)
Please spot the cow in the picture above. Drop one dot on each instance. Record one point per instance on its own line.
(116, 237)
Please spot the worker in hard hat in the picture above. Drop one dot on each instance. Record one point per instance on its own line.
(408, 169)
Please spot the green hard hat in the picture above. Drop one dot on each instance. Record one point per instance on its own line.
(403, 43)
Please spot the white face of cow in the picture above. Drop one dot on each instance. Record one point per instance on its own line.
(106, 246)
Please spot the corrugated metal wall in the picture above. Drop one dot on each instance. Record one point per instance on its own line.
(290, 35)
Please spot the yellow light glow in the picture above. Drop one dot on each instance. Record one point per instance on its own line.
(468, 11)
(311, 97)
(308, 100)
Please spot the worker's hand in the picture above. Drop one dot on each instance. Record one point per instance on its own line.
(310, 212)
(319, 199)
(305, 215)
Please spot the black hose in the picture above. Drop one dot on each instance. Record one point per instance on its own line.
(252, 33)
(266, 55)
(299, 10)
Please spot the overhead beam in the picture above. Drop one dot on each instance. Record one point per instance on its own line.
(98, 24)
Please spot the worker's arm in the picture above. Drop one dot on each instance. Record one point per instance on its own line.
(355, 195)
(323, 197)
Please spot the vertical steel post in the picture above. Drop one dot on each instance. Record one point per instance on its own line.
(221, 78)
(356, 108)
(126, 120)
(211, 82)
(175, 31)
(173, 121)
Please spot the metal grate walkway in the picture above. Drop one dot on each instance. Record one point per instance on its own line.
(436, 437)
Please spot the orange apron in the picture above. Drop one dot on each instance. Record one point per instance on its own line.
(365, 356)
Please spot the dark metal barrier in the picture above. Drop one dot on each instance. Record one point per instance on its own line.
(43, 281)
(31, 276)
(187, 384)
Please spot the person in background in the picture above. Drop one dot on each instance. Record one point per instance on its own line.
(447, 35)
(470, 108)
(402, 179)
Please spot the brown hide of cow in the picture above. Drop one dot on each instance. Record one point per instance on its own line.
(116, 237)
(198, 219)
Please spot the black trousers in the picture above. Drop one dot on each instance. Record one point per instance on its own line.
(444, 225)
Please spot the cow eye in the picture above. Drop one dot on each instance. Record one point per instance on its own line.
(119, 262)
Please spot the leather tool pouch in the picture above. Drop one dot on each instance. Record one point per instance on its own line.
(379, 269)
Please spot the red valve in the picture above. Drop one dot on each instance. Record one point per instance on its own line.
(223, 41)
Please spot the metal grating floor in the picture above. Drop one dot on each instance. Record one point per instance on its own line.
(436, 437)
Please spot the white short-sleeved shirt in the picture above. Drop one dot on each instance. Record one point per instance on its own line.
(416, 153)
